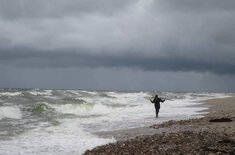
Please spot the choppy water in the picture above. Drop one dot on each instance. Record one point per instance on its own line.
(62, 121)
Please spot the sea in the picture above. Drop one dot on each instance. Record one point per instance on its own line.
(58, 122)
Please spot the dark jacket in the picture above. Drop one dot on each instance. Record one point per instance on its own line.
(157, 101)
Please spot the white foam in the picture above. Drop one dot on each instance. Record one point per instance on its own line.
(10, 112)
(41, 92)
(68, 138)
(205, 96)
(89, 92)
(118, 98)
(139, 111)
(10, 93)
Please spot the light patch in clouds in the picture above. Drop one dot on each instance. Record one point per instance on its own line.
(93, 32)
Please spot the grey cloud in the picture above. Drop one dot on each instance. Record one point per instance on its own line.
(142, 27)
(17, 9)
(192, 6)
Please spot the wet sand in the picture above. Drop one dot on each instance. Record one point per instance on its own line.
(212, 134)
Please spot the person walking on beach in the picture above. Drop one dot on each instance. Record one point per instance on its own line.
(156, 102)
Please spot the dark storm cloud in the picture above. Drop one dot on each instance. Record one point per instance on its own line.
(167, 35)
(62, 59)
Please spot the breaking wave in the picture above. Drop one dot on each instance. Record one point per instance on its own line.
(82, 109)
(10, 93)
(39, 107)
(40, 92)
(10, 112)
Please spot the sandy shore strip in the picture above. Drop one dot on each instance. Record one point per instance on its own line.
(212, 134)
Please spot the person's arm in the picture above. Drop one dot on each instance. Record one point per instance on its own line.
(162, 100)
(152, 100)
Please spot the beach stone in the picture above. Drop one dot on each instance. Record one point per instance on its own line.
(224, 119)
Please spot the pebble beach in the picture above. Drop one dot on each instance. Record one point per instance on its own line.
(212, 134)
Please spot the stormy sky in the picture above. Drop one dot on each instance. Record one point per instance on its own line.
(163, 45)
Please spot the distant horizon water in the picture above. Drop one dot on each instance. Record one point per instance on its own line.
(118, 90)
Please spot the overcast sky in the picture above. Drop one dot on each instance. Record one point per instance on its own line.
(163, 45)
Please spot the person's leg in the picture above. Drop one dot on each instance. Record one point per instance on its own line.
(157, 111)
(157, 107)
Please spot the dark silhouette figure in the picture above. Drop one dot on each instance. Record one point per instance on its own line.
(156, 102)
